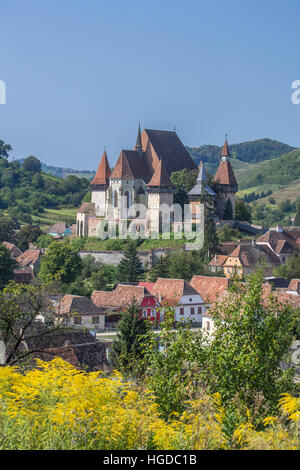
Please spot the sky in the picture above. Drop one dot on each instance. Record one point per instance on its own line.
(81, 74)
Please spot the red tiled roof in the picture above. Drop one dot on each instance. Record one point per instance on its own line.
(78, 304)
(225, 150)
(13, 249)
(218, 260)
(251, 255)
(28, 257)
(294, 285)
(209, 287)
(148, 285)
(87, 208)
(171, 290)
(225, 175)
(280, 241)
(23, 276)
(160, 176)
(103, 172)
(101, 298)
(121, 297)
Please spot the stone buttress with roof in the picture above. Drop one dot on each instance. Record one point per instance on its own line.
(142, 177)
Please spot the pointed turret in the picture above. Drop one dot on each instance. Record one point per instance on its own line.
(160, 178)
(201, 185)
(138, 145)
(122, 168)
(103, 172)
(225, 150)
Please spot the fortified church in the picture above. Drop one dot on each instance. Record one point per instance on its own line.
(142, 176)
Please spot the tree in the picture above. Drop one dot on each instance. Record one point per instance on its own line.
(252, 333)
(242, 211)
(130, 268)
(184, 264)
(4, 149)
(32, 165)
(26, 235)
(128, 347)
(44, 240)
(291, 269)
(7, 229)
(21, 332)
(228, 211)
(297, 217)
(60, 263)
(211, 241)
(160, 269)
(7, 265)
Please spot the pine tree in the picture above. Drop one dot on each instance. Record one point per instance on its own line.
(228, 212)
(160, 269)
(130, 268)
(211, 242)
(128, 349)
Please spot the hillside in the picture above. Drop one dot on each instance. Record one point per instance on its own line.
(242, 154)
(63, 172)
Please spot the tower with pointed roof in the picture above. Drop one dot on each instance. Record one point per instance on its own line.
(138, 146)
(226, 182)
(99, 186)
(160, 194)
(201, 192)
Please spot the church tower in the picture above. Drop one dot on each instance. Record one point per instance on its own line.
(160, 191)
(99, 186)
(226, 182)
(138, 146)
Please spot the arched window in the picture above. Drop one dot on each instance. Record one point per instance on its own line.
(115, 198)
(127, 199)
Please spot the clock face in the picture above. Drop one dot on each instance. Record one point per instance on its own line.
(224, 159)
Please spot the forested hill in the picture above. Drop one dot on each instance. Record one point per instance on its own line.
(249, 152)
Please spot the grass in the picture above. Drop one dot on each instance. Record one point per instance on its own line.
(52, 216)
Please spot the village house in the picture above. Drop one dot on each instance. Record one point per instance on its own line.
(13, 250)
(178, 293)
(282, 241)
(80, 312)
(60, 229)
(123, 295)
(30, 260)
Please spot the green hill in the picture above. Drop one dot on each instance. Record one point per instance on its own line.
(241, 154)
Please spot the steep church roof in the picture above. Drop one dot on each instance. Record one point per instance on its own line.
(131, 164)
(160, 176)
(225, 150)
(169, 148)
(103, 172)
(224, 174)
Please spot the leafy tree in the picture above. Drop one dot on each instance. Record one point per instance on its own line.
(32, 165)
(291, 269)
(251, 336)
(130, 268)
(184, 264)
(7, 229)
(242, 211)
(44, 240)
(228, 211)
(37, 181)
(4, 149)
(21, 332)
(60, 263)
(128, 347)
(160, 269)
(26, 235)
(227, 233)
(7, 265)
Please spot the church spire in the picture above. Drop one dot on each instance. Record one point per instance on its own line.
(225, 150)
(138, 145)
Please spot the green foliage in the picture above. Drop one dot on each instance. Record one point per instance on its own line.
(183, 181)
(129, 346)
(130, 268)
(4, 149)
(60, 263)
(227, 233)
(184, 264)
(291, 269)
(160, 269)
(211, 241)
(297, 217)
(32, 165)
(242, 211)
(6, 266)
(228, 211)
(7, 229)
(43, 241)
(251, 337)
(27, 235)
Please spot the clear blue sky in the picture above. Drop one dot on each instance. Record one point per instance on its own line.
(81, 74)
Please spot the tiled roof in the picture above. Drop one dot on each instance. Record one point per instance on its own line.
(13, 249)
(225, 150)
(251, 255)
(23, 276)
(294, 285)
(87, 208)
(160, 177)
(209, 287)
(103, 172)
(131, 164)
(218, 260)
(148, 285)
(171, 290)
(168, 148)
(121, 297)
(28, 257)
(78, 304)
(281, 242)
(225, 175)
(59, 228)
